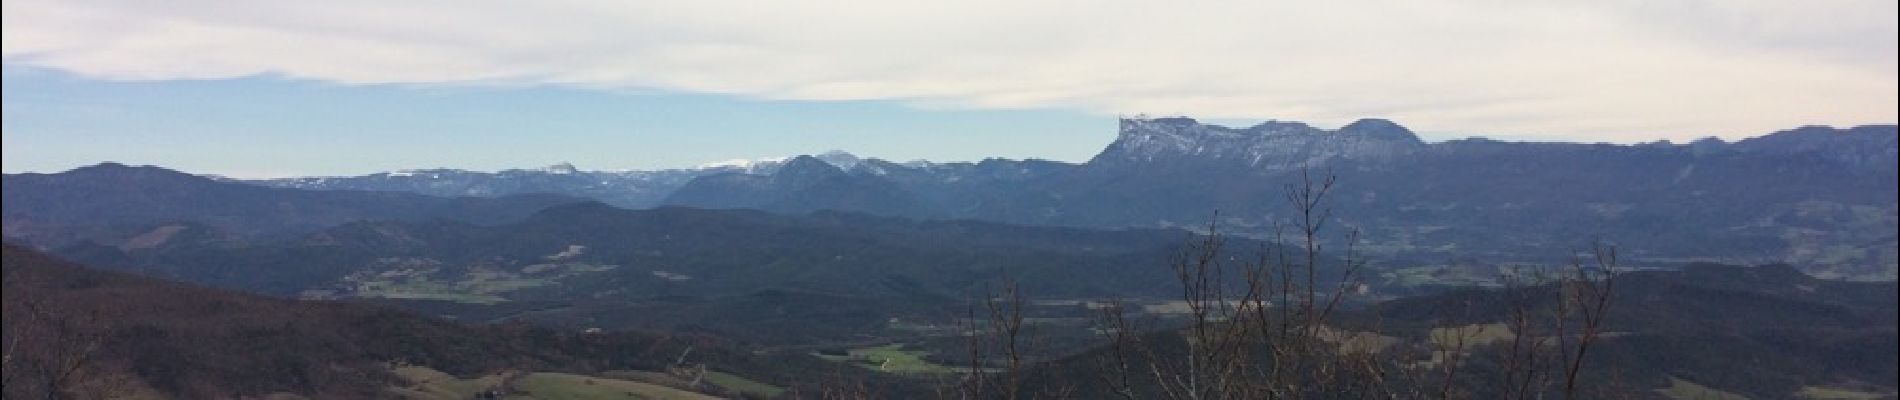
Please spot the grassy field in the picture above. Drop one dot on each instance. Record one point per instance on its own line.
(422, 289)
(1828, 393)
(1441, 275)
(1447, 338)
(741, 384)
(892, 358)
(1473, 335)
(429, 384)
(424, 383)
(1357, 342)
(724, 380)
(1685, 390)
(476, 287)
(657, 378)
(549, 386)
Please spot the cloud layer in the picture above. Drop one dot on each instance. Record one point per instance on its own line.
(1591, 70)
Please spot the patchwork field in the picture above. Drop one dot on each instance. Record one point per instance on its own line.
(423, 383)
(549, 386)
(425, 289)
(1685, 390)
(426, 383)
(742, 385)
(1833, 393)
(892, 358)
(425, 279)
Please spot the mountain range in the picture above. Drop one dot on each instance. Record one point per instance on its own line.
(113, 203)
(844, 255)
(1817, 197)
(629, 189)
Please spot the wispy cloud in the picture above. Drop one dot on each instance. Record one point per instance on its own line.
(1604, 70)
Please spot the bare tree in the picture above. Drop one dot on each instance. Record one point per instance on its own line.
(1000, 345)
(1585, 293)
(1261, 327)
(1265, 336)
(51, 351)
(1005, 311)
(1124, 339)
(1524, 369)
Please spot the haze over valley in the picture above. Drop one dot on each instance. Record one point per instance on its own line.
(1274, 200)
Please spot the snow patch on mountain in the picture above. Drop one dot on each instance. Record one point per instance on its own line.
(1269, 145)
(743, 163)
(563, 168)
(840, 159)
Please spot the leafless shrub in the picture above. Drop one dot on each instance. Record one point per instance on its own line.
(1261, 328)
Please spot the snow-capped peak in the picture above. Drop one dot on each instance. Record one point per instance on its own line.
(743, 163)
(1270, 145)
(837, 158)
(560, 169)
(840, 159)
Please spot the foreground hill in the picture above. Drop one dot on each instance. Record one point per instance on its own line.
(90, 333)
(113, 203)
(1765, 332)
(1705, 331)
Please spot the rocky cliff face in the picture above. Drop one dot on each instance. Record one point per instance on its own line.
(1268, 146)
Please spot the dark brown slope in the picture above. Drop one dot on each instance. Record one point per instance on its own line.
(86, 333)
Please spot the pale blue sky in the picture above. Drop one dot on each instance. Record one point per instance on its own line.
(274, 127)
(297, 87)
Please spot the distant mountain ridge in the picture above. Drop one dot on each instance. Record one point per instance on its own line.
(1145, 142)
(1268, 145)
(1870, 146)
(803, 184)
(624, 188)
(110, 201)
(1820, 198)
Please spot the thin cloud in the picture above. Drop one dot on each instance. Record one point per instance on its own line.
(1588, 70)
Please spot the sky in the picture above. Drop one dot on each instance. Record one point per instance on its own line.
(280, 88)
